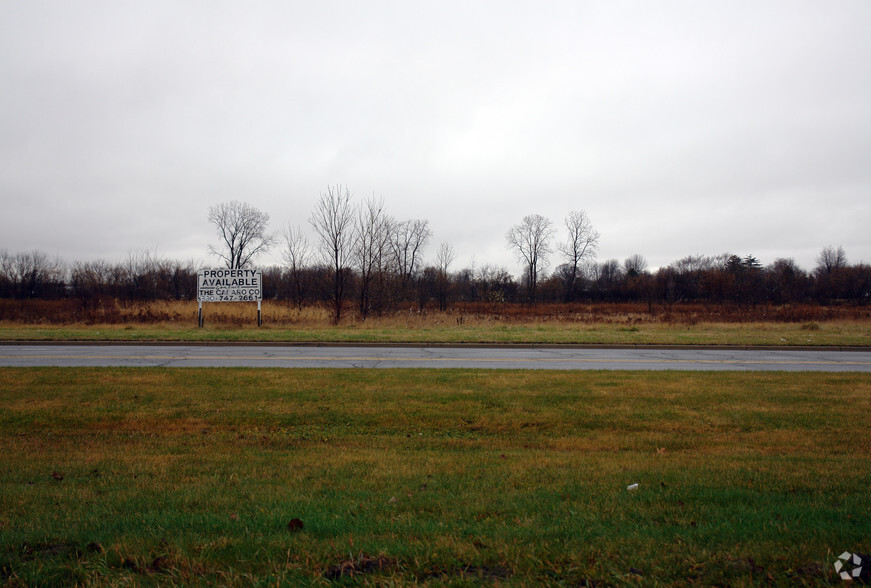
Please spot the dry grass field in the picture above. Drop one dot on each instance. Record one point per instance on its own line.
(628, 324)
(112, 311)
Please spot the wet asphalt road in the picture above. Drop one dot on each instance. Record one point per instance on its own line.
(292, 356)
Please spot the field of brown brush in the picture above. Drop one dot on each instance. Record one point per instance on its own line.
(576, 324)
(278, 313)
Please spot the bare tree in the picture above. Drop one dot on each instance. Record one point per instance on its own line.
(408, 238)
(242, 229)
(32, 274)
(333, 221)
(6, 285)
(635, 265)
(609, 275)
(830, 274)
(530, 240)
(89, 282)
(444, 258)
(830, 260)
(372, 236)
(295, 254)
(786, 281)
(142, 271)
(581, 246)
(494, 284)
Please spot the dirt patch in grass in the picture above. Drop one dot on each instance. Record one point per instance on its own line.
(362, 565)
(469, 572)
(39, 551)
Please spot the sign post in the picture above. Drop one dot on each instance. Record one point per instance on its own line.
(229, 285)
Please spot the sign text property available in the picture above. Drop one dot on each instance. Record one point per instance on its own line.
(229, 285)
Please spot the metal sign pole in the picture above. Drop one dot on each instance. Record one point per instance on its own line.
(259, 316)
(200, 315)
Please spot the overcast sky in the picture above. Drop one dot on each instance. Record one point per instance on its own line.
(679, 127)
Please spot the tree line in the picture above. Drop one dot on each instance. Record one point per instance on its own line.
(363, 259)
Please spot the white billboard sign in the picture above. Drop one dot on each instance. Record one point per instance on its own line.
(229, 285)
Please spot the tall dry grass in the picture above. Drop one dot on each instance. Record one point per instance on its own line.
(112, 312)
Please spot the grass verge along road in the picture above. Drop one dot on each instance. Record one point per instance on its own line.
(241, 476)
(854, 333)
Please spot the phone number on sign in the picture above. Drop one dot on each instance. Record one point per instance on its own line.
(221, 295)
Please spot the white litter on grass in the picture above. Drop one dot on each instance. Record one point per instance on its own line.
(632, 487)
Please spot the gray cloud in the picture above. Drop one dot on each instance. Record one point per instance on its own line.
(680, 127)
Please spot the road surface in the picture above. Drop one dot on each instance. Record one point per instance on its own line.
(290, 356)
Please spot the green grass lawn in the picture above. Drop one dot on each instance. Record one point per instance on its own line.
(829, 333)
(457, 477)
